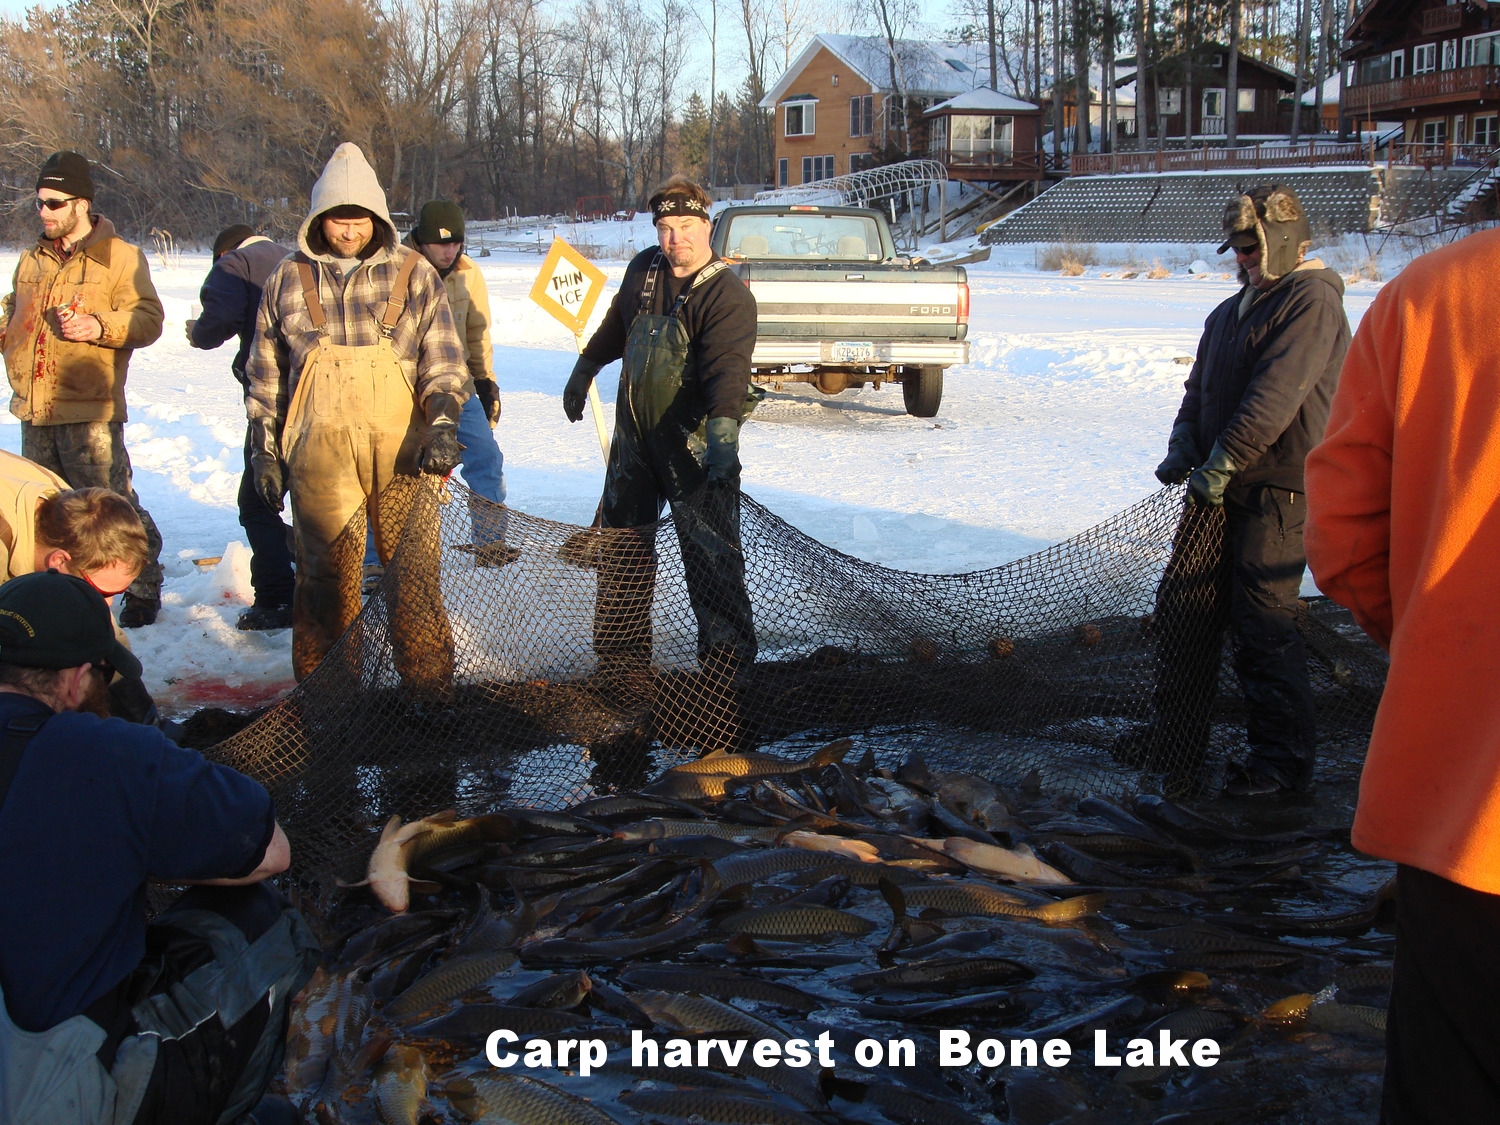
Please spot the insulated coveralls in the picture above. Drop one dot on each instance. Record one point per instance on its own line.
(657, 457)
(351, 437)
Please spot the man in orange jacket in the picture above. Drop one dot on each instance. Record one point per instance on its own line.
(1404, 529)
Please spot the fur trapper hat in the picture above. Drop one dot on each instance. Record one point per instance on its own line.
(1273, 215)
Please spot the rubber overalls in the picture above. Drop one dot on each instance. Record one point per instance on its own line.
(657, 458)
(351, 437)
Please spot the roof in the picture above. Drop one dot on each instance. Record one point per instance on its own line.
(929, 68)
(982, 100)
(1331, 87)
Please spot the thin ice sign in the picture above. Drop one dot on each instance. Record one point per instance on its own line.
(568, 286)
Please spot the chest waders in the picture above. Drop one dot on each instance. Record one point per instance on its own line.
(351, 438)
(116, 1063)
(657, 458)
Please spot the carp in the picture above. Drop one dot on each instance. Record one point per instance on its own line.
(709, 776)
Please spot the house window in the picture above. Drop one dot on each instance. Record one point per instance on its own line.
(1246, 100)
(859, 161)
(781, 172)
(1349, 72)
(862, 116)
(1450, 54)
(1484, 131)
(1482, 50)
(1424, 58)
(1213, 103)
(981, 138)
(801, 119)
(1398, 64)
(1169, 100)
(1435, 132)
(815, 168)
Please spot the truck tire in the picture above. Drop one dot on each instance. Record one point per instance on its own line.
(922, 387)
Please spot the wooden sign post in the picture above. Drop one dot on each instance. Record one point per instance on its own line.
(568, 287)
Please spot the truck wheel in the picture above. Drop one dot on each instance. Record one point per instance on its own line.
(922, 387)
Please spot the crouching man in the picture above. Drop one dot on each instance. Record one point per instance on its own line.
(107, 1018)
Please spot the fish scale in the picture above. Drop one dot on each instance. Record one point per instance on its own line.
(700, 1015)
(448, 981)
(518, 1100)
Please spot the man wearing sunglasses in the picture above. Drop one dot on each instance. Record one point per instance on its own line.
(82, 300)
(1256, 403)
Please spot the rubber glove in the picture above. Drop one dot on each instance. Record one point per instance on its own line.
(438, 452)
(1182, 454)
(265, 463)
(1208, 482)
(723, 458)
(576, 393)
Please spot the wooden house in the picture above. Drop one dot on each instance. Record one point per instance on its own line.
(1433, 65)
(1192, 91)
(838, 111)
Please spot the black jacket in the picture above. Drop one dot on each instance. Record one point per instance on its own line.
(720, 320)
(1263, 382)
(231, 297)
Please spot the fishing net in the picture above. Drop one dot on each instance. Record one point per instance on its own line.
(550, 660)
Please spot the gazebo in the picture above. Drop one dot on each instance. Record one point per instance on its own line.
(985, 135)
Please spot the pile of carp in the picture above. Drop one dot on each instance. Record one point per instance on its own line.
(622, 947)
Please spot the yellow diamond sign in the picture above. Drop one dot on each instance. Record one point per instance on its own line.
(568, 286)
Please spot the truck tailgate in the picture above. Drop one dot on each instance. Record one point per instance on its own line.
(850, 302)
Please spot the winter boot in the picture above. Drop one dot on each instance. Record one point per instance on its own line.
(265, 615)
(137, 611)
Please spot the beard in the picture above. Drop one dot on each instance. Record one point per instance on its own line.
(1244, 276)
(96, 700)
(61, 228)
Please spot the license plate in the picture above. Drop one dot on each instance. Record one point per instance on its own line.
(853, 351)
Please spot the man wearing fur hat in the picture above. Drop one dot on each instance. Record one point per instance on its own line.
(82, 302)
(1257, 401)
(355, 382)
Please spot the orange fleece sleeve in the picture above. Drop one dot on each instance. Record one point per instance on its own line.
(1348, 533)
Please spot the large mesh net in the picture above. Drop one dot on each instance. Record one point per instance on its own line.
(550, 660)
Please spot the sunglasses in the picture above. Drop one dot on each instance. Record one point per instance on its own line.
(55, 204)
(106, 593)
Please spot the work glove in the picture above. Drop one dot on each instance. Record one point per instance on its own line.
(265, 463)
(438, 452)
(1208, 482)
(576, 393)
(489, 397)
(723, 458)
(1182, 454)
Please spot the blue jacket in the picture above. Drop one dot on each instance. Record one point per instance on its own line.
(231, 298)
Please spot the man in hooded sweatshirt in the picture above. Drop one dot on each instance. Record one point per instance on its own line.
(231, 298)
(356, 379)
(1257, 401)
(82, 301)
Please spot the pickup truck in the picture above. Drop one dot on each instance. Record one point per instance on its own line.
(839, 308)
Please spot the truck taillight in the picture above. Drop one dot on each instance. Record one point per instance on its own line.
(963, 302)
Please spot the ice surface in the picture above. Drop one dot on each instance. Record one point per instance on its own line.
(1055, 424)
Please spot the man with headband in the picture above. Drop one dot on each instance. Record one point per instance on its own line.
(684, 326)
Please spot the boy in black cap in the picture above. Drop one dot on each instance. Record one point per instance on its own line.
(230, 298)
(102, 1016)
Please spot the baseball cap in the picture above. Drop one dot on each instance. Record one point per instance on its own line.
(52, 620)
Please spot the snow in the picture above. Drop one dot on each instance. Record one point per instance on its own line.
(1055, 424)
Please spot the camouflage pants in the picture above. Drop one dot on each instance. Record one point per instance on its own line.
(93, 455)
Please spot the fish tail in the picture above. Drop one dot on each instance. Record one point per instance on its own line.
(831, 754)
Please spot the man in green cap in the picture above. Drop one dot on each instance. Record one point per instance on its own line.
(1256, 403)
(105, 1016)
(439, 235)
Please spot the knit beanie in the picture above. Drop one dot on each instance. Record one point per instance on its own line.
(67, 172)
(439, 221)
(230, 237)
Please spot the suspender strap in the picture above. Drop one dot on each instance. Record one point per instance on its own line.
(397, 300)
(310, 295)
(648, 290)
(18, 735)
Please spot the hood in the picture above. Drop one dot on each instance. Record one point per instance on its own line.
(347, 179)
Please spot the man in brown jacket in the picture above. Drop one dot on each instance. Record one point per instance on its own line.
(81, 302)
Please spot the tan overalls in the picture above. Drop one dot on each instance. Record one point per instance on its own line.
(351, 436)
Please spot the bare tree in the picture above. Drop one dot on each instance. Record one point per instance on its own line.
(1232, 84)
